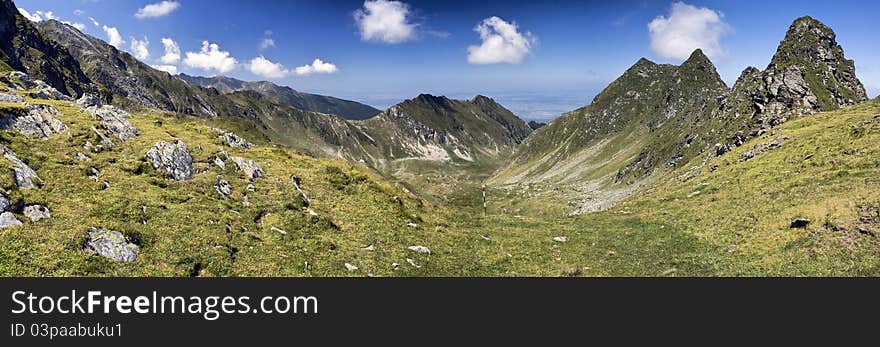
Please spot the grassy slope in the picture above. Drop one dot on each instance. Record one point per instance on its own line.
(732, 221)
(185, 221)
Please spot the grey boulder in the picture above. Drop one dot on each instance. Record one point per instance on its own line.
(111, 244)
(172, 159)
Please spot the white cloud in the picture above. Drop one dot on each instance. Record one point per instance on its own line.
(502, 43)
(95, 22)
(79, 26)
(113, 36)
(167, 68)
(266, 43)
(158, 9)
(685, 29)
(210, 58)
(37, 16)
(265, 68)
(385, 21)
(31, 17)
(317, 66)
(140, 48)
(78, 12)
(172, 51)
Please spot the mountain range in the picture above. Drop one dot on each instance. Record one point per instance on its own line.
(111, 167)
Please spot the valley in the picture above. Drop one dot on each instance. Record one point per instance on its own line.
(113, 168)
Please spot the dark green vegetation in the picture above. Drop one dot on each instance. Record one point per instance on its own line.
(686, 176)
(304, 101)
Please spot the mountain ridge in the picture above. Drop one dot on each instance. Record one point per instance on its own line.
(347, 109)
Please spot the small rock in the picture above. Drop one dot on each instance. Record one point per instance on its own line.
(282, 232)
(412, 225)
(395, 266)
(4, 97)
(220, 163)
(7, 219)
(37, 212)
(350, 268)
(111, 244)
(81, 157)
(223, 187)
(800, 223)
(250, 187)
(369, 248)
(88, 100)
(560, 239)
(420, 249)
(413, 263)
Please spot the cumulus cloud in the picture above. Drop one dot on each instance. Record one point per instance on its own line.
(317, 66)
(113, 36)
(78, 26)
(31, 17)
(265, 68)
(685, 29)
(209, 58)
(385, 21)
(266, 43)
(140, 48)
(158, 9)
(167, 68)
(37, 16)
(172, 51)
(502, 43)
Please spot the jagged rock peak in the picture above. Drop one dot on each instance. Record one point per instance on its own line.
(812, 46)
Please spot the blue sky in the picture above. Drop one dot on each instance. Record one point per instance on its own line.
(539, 58)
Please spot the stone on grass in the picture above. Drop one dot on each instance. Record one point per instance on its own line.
(7, 219)
(172, 159)
(111, 244)
(37, 212)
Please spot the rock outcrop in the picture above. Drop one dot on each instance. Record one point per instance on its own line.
(223, 188)
(111, 244)
(25, 177)
(248, 167)
(172, 159)
(113, 120)
(37, 121)
(232, 140)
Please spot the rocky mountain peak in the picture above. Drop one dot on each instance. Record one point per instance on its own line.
(698, 60)
(811, 47)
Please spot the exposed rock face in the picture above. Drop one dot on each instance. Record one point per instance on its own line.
(7, 219)
(111, 244)
(37, 212)
(248, 167)
(5, 97)
(47, 92)
(113, 120)
(25, 49)
(37, 121)
(232, 139)
(22, 173)
(808, 74)
(172, 159)
(223, 187)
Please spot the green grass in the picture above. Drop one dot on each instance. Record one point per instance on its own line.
(737, 225)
